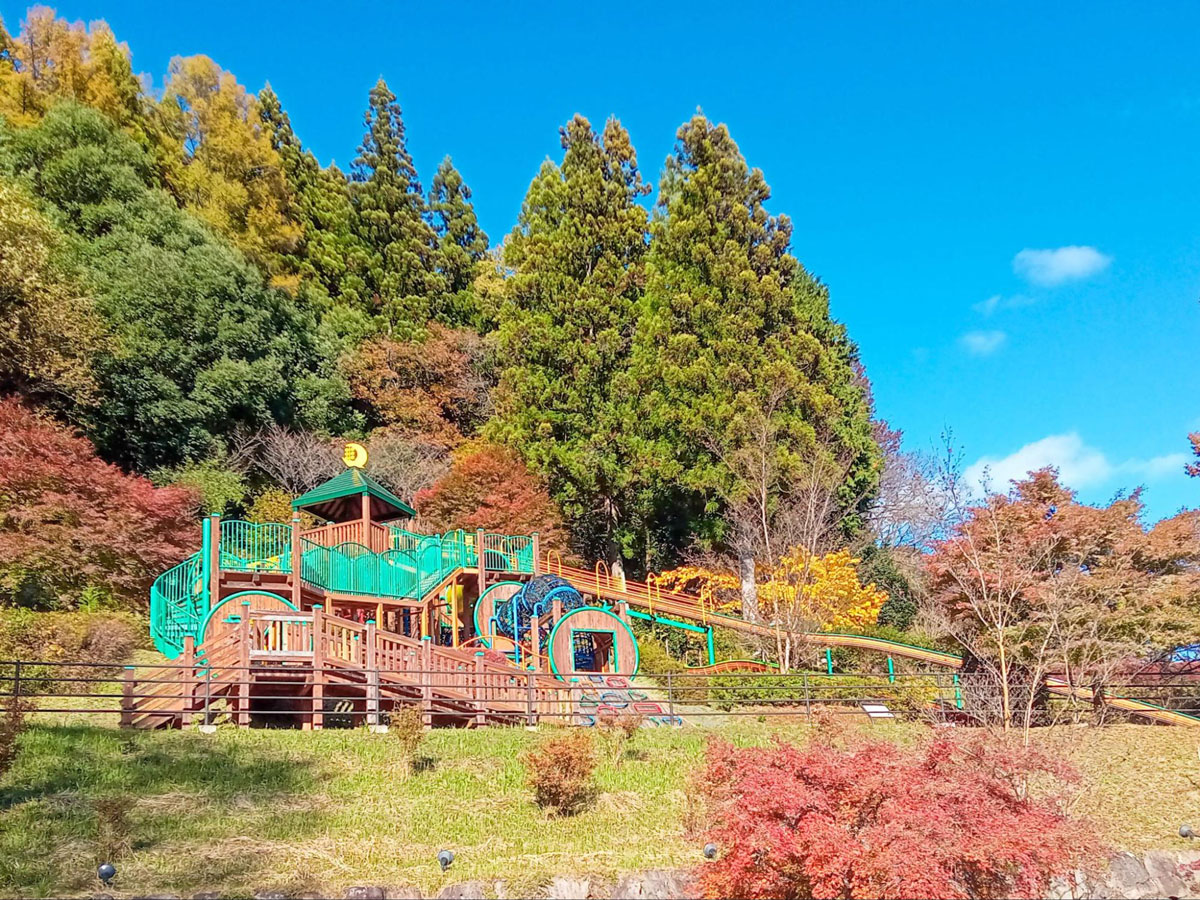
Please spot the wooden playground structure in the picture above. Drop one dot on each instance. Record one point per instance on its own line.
(358, 614)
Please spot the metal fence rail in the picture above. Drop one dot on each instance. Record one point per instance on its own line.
(334, 695)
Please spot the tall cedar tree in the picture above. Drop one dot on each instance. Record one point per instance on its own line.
(329, 252)
(462, 244)
(390, 219)
(566, 327)
(733, 329)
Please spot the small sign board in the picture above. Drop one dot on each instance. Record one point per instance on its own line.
(878, 711)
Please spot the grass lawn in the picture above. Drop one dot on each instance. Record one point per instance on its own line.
(242, 810)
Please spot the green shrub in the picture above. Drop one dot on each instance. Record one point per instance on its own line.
(908, 695)
(65, 637)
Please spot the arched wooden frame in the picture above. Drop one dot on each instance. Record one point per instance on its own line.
(485, 607)
(233, 605)
(560, 646)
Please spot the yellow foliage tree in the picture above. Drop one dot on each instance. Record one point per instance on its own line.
(221, 164)
(53, 59)
(823, 593)
(711, 586)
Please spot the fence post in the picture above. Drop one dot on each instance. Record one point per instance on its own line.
(127, 686)
(480, 713)
(318, 667)
(427, 681)
(531, 715)
(208, 696)
(17, 683)
(370, 661)
(807, 699)
(186, 675)
(243, 712)
(670, 701)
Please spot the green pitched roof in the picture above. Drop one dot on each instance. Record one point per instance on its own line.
(338, 499)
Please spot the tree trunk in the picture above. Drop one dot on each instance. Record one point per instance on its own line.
(749, 589)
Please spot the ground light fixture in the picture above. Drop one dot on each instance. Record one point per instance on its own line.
(1185, 831)
(106, 872)
(445, 857)
(710, 851)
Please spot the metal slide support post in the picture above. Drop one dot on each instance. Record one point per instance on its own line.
(712, 650)
(958, 700)
(891, 671)
(828, 661)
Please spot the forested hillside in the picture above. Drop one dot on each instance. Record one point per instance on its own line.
(641, 367)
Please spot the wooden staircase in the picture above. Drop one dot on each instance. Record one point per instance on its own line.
(320, 656)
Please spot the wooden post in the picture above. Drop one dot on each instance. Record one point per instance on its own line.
(366, 521)
(537, 554)
(623, 611)
(530, 713)
(371, 662)
(297, 560)
(480, 713)
(127, 699)
(426, 682)
(214, 565)
(318, 667)
(186, 679)
(555, 611)
(243, 706)
(535, 641)
(481, 559)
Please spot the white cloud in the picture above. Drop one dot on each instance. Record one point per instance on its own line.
(1079, 465)
(1051, 267)
(983, 343)
(998, 302)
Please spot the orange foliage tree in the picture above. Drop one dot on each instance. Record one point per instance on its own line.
(489, 487)
(70, 522)
(434, 388)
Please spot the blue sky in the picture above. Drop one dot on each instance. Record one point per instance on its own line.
(1004, 201)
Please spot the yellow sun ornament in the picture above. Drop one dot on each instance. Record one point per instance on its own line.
(355, 456)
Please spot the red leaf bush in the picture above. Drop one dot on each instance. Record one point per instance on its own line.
(954, 818)
(70, 521)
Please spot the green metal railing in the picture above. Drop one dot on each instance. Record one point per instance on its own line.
(178, 602)
(251, 547)
(415, 565)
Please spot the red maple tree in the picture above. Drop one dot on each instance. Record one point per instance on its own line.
(489, 487)
(950, 819)
(70, 521)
